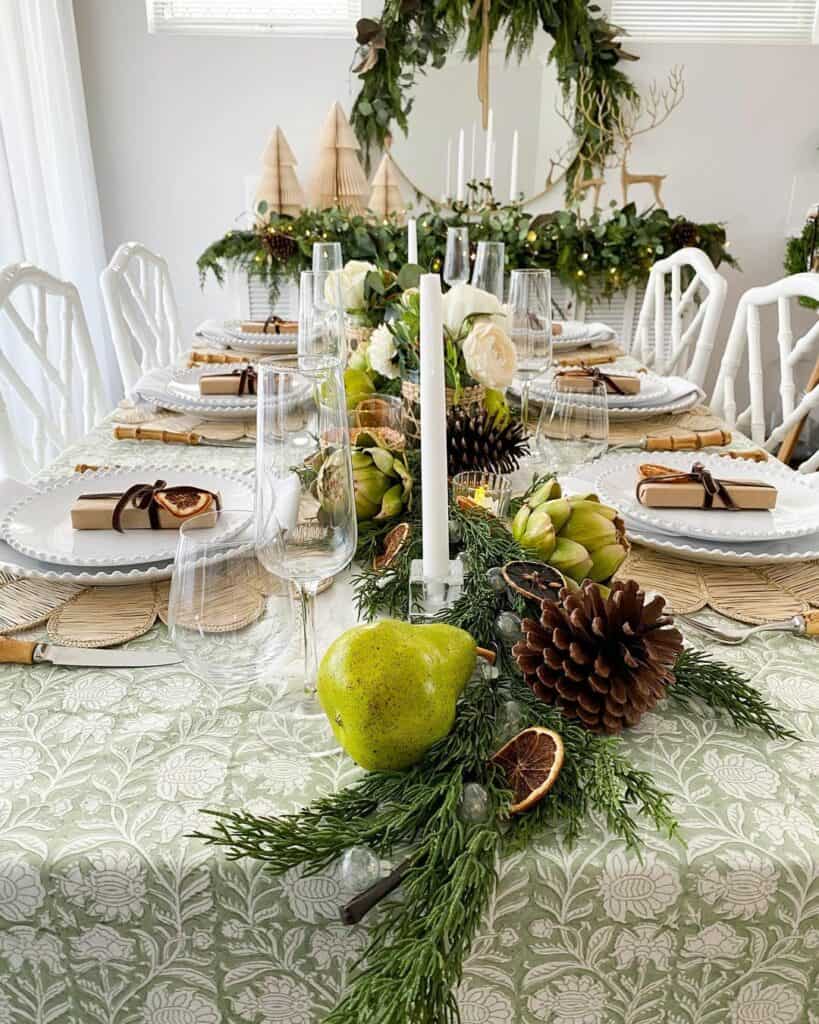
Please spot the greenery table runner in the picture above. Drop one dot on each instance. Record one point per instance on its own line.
(110, 914)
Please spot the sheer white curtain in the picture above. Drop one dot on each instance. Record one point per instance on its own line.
(49, 208)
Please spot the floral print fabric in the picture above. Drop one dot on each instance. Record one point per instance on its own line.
(110, 914)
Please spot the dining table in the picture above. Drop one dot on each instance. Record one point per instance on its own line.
(111, 912)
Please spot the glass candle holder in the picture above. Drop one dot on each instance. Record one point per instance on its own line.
(378, 411)
(491, 491)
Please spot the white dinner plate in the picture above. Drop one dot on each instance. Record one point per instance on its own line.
(654, 391)
(796, 513)
(794, 549)
(39, 525)
(576, 334)
(228, 334)
(682, 395)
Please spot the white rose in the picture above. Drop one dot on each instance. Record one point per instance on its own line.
(490, 355)
(463, 300)
(351, 279)
(381, 352)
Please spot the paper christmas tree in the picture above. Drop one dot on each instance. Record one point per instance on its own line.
(340, 179)
(278, 186)
(386, 197)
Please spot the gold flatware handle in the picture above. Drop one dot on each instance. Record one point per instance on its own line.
(16, 652)
(147, 434)
(751, 455)
(811, 623)
(214, 357)
(691, 441)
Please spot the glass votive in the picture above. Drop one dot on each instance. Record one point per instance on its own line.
(378, 411)
(491, 491)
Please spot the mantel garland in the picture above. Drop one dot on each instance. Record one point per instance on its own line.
(417, 943)
(595, 256)
(412, 36)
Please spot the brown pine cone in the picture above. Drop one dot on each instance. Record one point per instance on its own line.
(604, 661)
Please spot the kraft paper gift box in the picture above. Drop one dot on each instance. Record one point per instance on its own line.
(223, 384)
(272, 326)
(96, 512)
(581, 382)
(747, 495)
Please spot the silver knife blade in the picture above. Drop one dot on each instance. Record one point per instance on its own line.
(224, 444)
(95, 658)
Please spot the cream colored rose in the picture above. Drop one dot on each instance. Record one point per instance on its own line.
(351, 281)
(463, 300)
(381, 352)
(490, 355)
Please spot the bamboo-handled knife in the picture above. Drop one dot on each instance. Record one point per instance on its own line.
(176, 437)
(691, 441)
(26, 652)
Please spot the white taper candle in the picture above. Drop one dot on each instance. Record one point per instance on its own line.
(472, 161)
(487, 164)
(447, 193)
(513, 179)
(412, 240)
(434, 504)
(461, 168)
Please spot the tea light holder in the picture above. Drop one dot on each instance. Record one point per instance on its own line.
(491, 491)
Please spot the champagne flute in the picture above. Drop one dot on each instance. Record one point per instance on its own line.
(306, 527)
(489, 268)
(456, 258)
(321, 315)
(573, 428)
(530, 318)
(327, 257)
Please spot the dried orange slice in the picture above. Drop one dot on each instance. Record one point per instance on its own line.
(531, 762)
(184, 502)
(393, 543)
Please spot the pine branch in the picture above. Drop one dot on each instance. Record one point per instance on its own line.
(724, 689)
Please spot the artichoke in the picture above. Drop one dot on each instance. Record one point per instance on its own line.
(382, 482)
(577, 535)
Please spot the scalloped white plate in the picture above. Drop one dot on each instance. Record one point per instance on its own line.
(796, 513)
(795, 549)
(39, 526)
(682, 397)
(653, 391)
(155, 387)
(226, 334)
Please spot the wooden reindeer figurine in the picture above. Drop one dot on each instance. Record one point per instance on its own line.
(582, 184)
(627, 179)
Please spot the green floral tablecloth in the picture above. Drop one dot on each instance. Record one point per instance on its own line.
(109, 914)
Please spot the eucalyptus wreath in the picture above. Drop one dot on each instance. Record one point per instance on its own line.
(414, 35)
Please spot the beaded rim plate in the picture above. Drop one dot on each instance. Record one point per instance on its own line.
(39, 525)
(796, 513)
(185, 383)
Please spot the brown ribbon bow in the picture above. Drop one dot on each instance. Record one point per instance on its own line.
(712, 487)
(593, 373)
(277, 322)
(143, 496)
(247, 380)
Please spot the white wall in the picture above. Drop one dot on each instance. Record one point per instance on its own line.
(177, 122)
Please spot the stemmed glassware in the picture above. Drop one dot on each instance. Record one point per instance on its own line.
(321, 315)
(530, 324)
(230, 619)
(489, 268)
(574, 425)
(306, 527)
(456, 258)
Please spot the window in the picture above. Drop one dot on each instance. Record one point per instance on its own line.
(254, 17)
(719, 21)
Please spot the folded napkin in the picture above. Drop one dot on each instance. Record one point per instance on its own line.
(237, 382)
(661, 487)
(146, 507)
(581, 380)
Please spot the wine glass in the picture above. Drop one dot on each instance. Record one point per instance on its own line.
(573, 428)
(530, 320)
(327, 257)
(321, 315)
(230, 619)
(489, 268)
(306, 526)
(456, 258)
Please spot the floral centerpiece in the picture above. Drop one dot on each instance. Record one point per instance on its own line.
(368, 294)
(478, 352)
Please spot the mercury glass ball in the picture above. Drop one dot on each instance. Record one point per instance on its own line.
(360, 868)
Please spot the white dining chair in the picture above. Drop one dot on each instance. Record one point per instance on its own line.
(746, 336)
(142, 312)
(684, 344)
(50, 385)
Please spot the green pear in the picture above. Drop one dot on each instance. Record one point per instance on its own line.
(389, 689)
